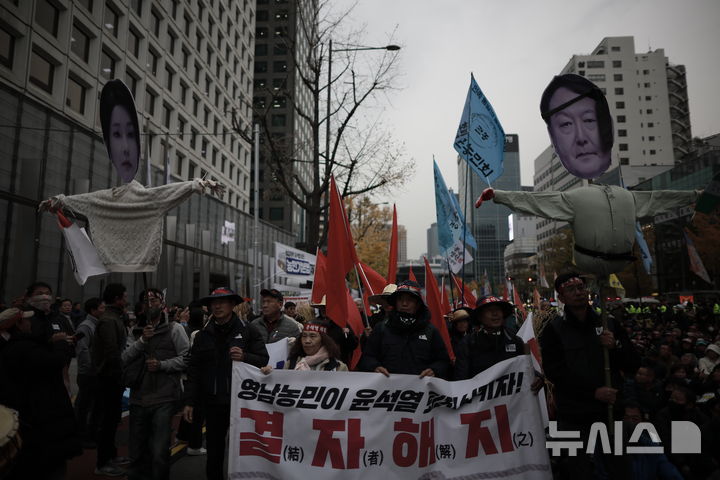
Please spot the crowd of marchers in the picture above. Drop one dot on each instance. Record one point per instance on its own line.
(159, 361)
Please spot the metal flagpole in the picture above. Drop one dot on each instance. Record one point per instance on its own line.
(256, 219)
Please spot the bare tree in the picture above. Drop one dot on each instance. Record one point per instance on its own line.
(362, 154)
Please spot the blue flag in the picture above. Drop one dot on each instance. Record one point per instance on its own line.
(480, 139)
(450, 220)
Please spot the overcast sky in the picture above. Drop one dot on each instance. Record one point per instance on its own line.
(514, 48)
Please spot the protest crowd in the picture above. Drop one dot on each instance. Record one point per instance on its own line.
(176, 361)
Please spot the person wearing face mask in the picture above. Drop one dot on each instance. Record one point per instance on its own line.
(45, 322)
(160, 355)
(406, 342)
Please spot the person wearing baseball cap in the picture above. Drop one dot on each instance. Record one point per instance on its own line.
(224, 340)
(273, 324)
(459, 325)
(406, 342)
(491, 342)
(573, 359)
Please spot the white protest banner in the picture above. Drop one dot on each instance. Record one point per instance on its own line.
(227, 233)
(458, 256)
(322, 425)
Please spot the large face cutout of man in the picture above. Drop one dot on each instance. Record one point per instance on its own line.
(579, 125)
(120, 129)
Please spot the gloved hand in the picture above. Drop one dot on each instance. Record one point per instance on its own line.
(487, 194)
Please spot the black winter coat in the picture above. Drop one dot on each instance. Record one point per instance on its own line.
(405, 350)
(479, 351)
(210, 365)
(33, 370)
(573, 362)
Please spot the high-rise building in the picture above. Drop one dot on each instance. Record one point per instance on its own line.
(648, 102)
(402, 244)
(433, 246)
(187, 64)
(489, 222)
(279, 94)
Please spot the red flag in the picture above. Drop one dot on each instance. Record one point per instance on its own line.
(411, 275)
(432, 294)
(392, 261)
(340, 258)
(318, 288)
(469, 298)
(518, 303)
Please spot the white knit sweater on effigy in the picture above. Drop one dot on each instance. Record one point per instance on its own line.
(126, 223)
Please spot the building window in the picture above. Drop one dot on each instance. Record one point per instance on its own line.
(179, 163)
(134, 43)
(652, 152)
(279, 120)
(110, 21)
(88, 4)
(262, 15)
(196, 105)
(259, 102)
(624, 161)
(621, 118)
(75, 95)
(198, 71)
(622, 133)
(596, 77)
(47, 16)
(280, 49)
(617, 63)
(278, 83)
(261, 49)
(107, 65)
(261, 32)
(183, 92)
(281, 15)
(646, 72)
(651, 124)
(649, 111)
(80, 43)
(188, 23)
(172, 37)
(185, 58)
(279, 102)
(42, 71)
(617, 77)
(619, 91)
(280, 32)
(596, 64)
(7, 48)
(150, 102)
(155, 23)
(651, 139)
(153, 59)
(623, 147)
(169, 77)
(276, 213)
(193, 138)
(132, 82)
(619, 105)
(615, 48)
(261, 67)
(167, 113)
(191, 170)
(280, 67)
(181, 128)
(136, 6)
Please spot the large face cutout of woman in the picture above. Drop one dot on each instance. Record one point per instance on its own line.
(124, 146)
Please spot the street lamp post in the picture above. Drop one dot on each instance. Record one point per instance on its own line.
(391, 48)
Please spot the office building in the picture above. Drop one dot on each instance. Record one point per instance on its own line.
(433, 246)
(279, 93)
(402, 244)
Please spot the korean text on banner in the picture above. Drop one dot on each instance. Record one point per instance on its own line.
(480, 138)
(319, 425)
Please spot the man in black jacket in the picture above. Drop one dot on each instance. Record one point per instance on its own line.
(572, 351)
(491, 343)
(406, 342)
(224, 340)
